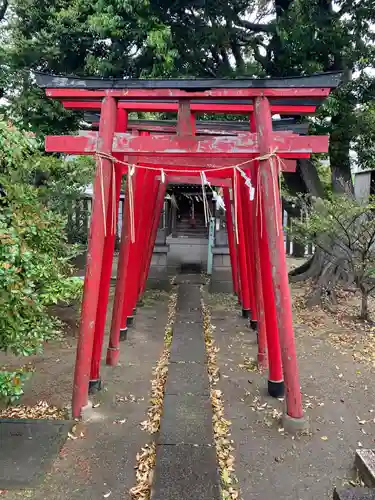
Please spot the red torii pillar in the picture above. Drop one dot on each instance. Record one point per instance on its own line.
(249, 240)
(268, 334)
(259, 297)
(123, 274)
(153, 233)
(147, 227)
(145, 197)
(231, 239)
(241, 245)
(141, 184)
(102, 189)
(109, 246)
(268, 171)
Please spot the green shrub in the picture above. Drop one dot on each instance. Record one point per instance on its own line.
(34, 255)
(11, 385)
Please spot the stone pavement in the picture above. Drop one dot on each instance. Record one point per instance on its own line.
(186, 458)
(100, 462)
(28, 449)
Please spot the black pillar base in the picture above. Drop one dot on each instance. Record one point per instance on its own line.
(254, 325)
(123, 334)
(246, 313)
(134, 311)
(276, 389)
(129, 321)
(95, 386)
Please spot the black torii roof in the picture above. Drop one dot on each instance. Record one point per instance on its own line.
(326, 80)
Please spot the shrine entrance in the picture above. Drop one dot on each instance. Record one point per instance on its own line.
(187, 236)
(188, 217)
(245, 163)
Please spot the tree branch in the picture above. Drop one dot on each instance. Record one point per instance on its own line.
(208, 70)
(3, 8)
(236, 50)
(262, 60)
(215, 55)
(346, 7)
(266, 28)
(225, 59)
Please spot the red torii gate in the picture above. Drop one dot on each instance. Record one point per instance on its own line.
(256, 159)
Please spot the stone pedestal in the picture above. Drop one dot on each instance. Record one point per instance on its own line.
(221, 279)
(158, 274)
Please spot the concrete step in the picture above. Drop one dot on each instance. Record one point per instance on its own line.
(191, 232)
(354, 494)
(365, 464)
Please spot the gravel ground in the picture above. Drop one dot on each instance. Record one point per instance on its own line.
(339, 399)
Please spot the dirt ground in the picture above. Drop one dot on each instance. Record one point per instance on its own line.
(336, 360)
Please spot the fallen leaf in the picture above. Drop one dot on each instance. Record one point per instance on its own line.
(324, 438)
(106, 495)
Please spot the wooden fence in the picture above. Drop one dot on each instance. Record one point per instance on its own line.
(292, 248)
(79, 221)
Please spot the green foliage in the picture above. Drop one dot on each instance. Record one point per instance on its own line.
(34, 254)
(324, 176)
(345, 231)
(64, 180)
(11, 384)
(364, 144)
(200, 38)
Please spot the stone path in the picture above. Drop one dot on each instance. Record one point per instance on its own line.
(100, 462)
(186, 457)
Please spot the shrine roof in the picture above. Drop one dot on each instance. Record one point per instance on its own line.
(320, 80)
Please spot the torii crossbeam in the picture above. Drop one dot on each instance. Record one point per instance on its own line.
(153, 155)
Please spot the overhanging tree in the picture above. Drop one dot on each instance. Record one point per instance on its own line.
(140, 38)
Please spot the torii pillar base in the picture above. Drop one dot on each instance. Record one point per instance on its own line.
(276, 389)
(95, 386)
(123, 334)
(295, 425)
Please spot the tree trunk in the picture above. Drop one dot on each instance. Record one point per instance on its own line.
(298, 250)
(324, 274)
(339, 148)
(364, 305)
